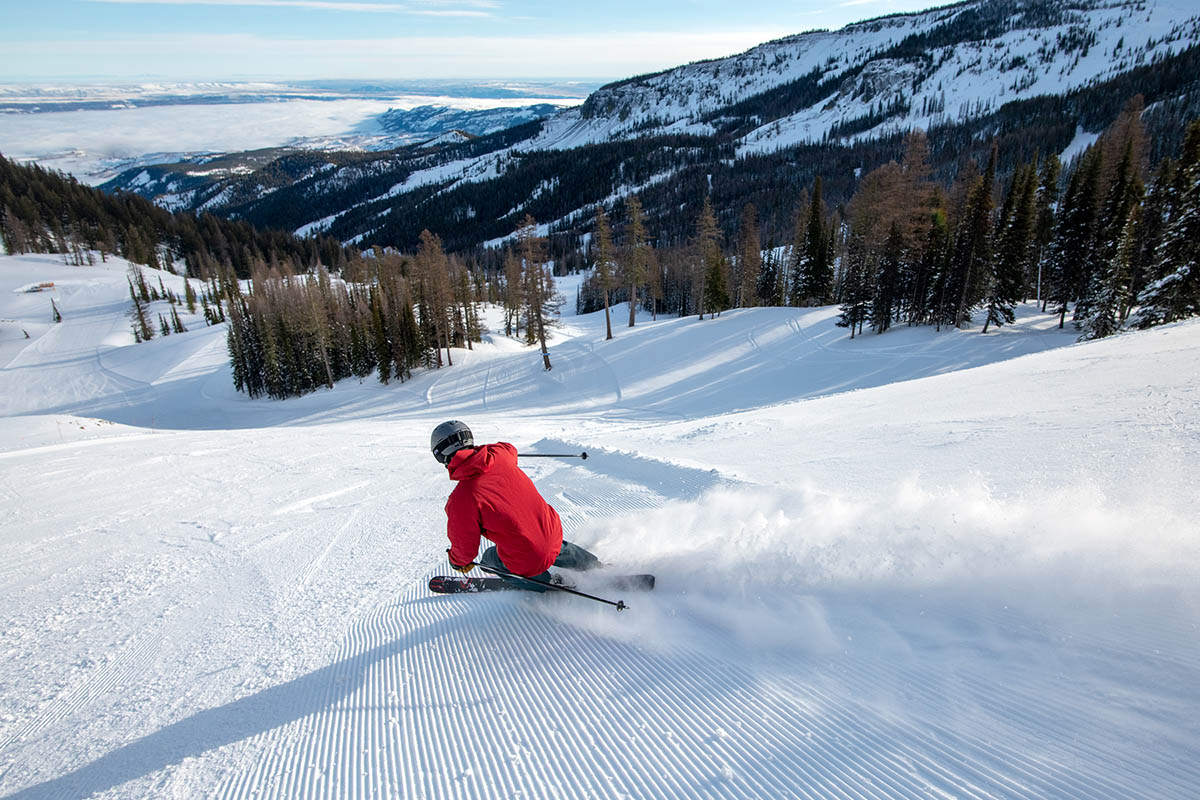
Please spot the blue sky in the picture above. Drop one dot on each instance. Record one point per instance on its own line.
(395, 39)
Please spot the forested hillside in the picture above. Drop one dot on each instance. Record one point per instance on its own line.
(757, 128)
(48, 212)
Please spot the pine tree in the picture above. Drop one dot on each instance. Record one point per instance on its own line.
(768, 287)
(634, 261)
(972, 259)
(749, 260)
(1112, 287)
(856, 287)
(409, 350)
(142, 330)
(539, 286)
(1010, 266)
(887, 287)
(1149, 233)
(1043, 222)
(238, 347)
(189, 296)
(381, 342)
(603, 265)
(710, 262)
(716, 290)
(466, 312)
(1175, 293)
(1123, 196)
(434, 297)
(929, 303)
(1070, 257)
(813, 279)
(319, 327)
(514, 294)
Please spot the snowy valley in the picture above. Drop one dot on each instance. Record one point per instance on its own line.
(908, 565)
(1035, 75)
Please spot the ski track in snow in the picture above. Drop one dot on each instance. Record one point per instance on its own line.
(235, 606)
(521, 695)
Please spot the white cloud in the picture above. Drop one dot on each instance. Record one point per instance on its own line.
(242, 55)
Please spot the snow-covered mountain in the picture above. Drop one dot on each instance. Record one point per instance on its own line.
(431, 121)
(895, 73)
(96, 131)
(910, 565)
(965, 73)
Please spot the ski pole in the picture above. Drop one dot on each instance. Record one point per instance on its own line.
(620, 604)
(582, 455)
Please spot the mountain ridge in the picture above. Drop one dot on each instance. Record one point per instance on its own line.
(960, 71)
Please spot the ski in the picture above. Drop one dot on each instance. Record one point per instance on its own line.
(450, 584)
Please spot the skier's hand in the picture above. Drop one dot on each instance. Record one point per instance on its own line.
(464, 570)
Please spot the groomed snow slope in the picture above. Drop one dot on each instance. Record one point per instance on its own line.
(894, 567)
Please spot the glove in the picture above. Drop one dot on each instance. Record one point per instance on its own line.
(464, 570)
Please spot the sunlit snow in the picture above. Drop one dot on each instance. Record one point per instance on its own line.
(910, 565)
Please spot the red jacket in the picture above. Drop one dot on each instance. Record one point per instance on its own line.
(495, 499)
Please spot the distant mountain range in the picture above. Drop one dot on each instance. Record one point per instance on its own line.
(433, 120)
(758, 126)
(38, 98)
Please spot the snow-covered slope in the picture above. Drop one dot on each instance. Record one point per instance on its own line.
(912, 70)
(952, 71)
(911, 565)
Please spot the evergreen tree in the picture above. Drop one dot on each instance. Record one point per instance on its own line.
(603, 264)
(856, 287)
(1043, 223)
(189, 296)
(1175, 292)
(1123, 196)
(514, 293)
(1112, 287)
(142, 329)
(887, 288)
(539, 286)
(381, 341)
(434, 298)
(749, 258)
(931, 302)
(634, 262)
(1075, 235)
(470, 329)
(408, 351)
(813, 278)
(245, 379)
(972, 259)
(1148, 234)
(710, 262)
(768, 285)
(1014, 238)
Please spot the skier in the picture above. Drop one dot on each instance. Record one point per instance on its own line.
(494, 499)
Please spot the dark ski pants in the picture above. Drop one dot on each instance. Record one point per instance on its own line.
(571, 556)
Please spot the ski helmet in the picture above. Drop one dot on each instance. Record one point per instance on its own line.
(448, 438)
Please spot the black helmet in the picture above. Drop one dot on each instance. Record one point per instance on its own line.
(448, 438)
